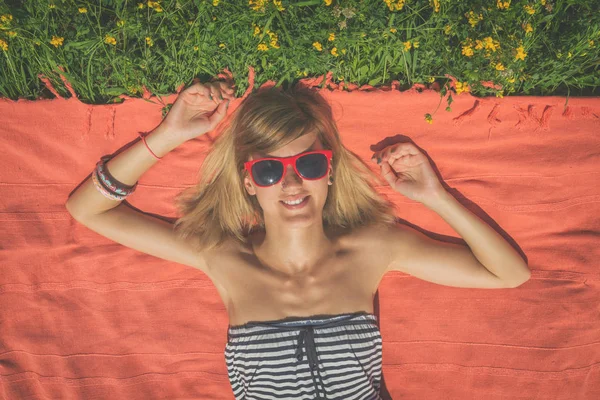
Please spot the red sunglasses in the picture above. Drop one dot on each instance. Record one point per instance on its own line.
(311, 165)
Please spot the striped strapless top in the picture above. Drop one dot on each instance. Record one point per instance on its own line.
(317, 357)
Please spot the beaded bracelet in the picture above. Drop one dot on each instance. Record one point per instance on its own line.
(107, 184)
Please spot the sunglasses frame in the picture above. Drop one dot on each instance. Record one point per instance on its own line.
(289, 161)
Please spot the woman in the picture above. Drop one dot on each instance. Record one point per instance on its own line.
(297, 280)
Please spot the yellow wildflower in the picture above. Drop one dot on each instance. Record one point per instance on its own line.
(120, 23)
(478, 44)
(500, 67)
(502, 5)
(529, 9)
(428, 118)
(543, 2)
(6, 18)
(256, 30)
(528, 29)
(521, 54)
(591, 43)
(317, 46)
(462, 87)
(393, 30)
(511, 80)
(278, 5)
(262, 47)
(343, 51)
(110, 40)
(140, 5)
(331, 37)
(407, 45)
(436, 5)
(51, 6)
(473, 18)
(82, 10)
(431, 79)
(447, 29)
(155, 5)
(12, 34)
(274, 44)
(490, 44)
(334, 51)
(327, 2)
(222, 45)
(149, 41)
(215, 3)
(467, 51)
(57, 41)
(500, 93)
(3, 45)
(569, 55)
(257, 5)
(195, 48)
(416, 45)
(394, 7)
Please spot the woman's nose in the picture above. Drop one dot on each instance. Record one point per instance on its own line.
(291, 177)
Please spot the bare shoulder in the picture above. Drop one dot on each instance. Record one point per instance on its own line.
(373, 234)
(217, 256)
(373, 242)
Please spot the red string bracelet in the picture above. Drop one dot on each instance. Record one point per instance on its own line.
(149, 149)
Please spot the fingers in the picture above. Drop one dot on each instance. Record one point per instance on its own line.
(198, 88)
(215, 91)
(395, 152)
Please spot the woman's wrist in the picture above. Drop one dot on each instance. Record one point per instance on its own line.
(161, 141)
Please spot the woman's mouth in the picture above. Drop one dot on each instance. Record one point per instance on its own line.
(295, 206)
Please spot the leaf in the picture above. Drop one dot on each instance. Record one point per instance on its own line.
(306, 3)
(115, 91)
(375, 81)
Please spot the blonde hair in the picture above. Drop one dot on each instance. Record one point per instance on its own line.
(219, 207)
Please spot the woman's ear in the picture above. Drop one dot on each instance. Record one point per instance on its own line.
(248, 185)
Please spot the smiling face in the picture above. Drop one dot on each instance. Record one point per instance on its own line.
(292, 186)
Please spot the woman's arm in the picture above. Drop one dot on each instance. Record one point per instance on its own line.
(126, 167)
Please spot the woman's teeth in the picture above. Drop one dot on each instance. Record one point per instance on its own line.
(292, 203)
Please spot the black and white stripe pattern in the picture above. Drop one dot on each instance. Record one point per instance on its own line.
(318, 357)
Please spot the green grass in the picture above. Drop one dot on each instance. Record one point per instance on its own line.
(196, 38)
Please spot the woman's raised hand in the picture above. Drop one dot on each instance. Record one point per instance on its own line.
(198, 110)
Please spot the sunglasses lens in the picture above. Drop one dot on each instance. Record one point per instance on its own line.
(267, 172)
(312, 166)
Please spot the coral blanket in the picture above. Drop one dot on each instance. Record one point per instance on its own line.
(82, 317)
